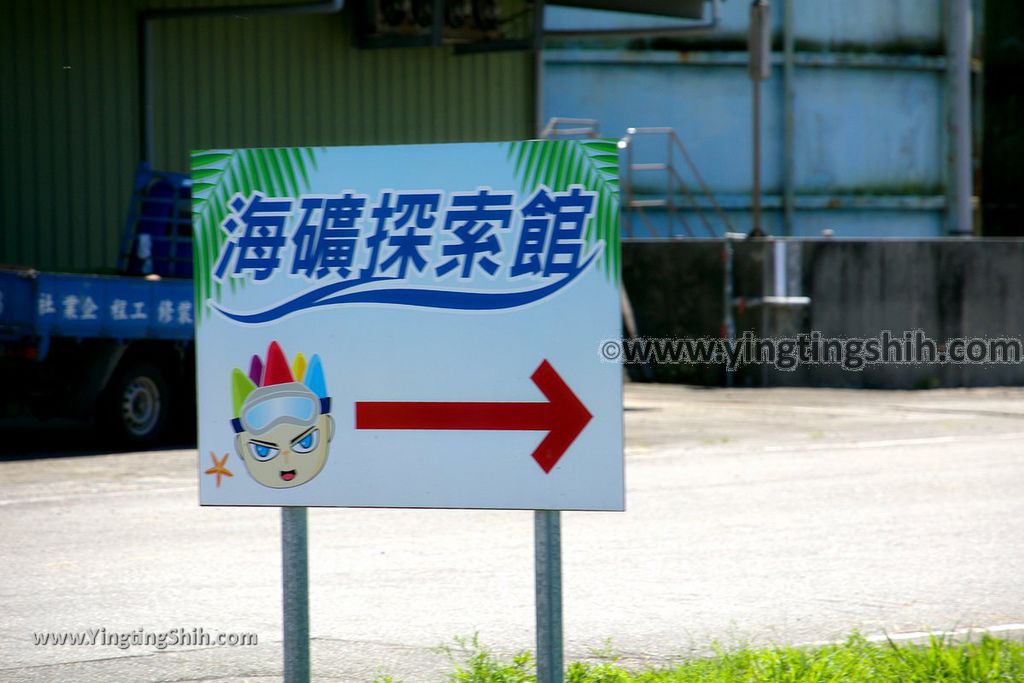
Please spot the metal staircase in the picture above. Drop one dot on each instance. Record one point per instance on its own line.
(670, 193)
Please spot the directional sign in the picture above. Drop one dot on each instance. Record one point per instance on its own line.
(409, 326)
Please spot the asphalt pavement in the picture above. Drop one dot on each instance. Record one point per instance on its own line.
(753, 517)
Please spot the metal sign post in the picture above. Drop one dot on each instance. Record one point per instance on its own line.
(295, 594)
(547, 534)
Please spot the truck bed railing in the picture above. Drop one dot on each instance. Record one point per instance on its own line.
(157, 238)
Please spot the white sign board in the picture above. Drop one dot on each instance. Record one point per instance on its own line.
(409, 326)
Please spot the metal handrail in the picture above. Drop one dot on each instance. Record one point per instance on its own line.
(674, 181)
(587, 127)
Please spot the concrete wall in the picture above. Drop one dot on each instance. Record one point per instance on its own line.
(948, 288)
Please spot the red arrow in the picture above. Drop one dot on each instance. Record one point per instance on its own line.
(562, 416)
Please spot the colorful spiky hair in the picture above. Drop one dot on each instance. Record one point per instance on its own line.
(276, 371)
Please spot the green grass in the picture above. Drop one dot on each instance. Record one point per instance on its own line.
(857, 660)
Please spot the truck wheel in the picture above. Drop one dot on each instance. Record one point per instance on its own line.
(136, 404)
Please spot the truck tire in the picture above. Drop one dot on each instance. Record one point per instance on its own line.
(135, 404)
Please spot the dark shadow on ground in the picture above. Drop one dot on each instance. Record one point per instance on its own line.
(28, 439)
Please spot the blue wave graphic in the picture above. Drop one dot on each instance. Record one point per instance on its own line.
(336, 294)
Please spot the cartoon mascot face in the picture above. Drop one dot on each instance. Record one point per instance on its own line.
(282, 418)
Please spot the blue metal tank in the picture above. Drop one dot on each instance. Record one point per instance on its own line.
(855, 129)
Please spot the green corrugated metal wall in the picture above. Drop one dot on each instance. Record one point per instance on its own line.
(69, 121)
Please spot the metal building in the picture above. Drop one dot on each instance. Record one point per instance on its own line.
(70, 126)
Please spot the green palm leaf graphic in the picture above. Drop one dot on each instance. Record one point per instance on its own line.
(560, 164)
(217, 175)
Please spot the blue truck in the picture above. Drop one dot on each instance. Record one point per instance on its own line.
(117, 349)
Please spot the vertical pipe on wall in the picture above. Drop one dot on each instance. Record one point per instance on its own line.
(759, 48)
(755, 195)
(958, 50)
(977, 106)
(788, 105)
(728, 319)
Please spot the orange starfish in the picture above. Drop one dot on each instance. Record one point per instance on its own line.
(219, 467)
